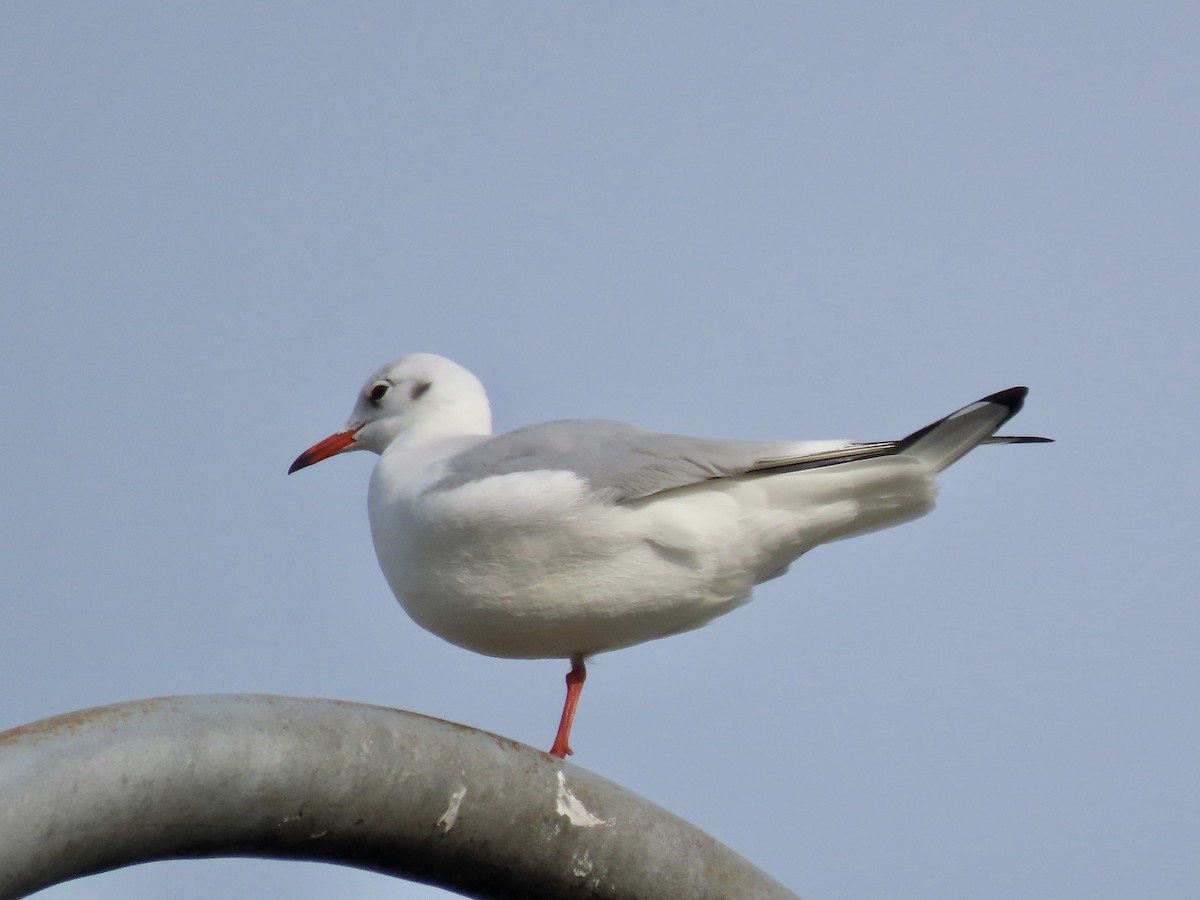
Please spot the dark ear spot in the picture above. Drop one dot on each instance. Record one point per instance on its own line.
(419, 388)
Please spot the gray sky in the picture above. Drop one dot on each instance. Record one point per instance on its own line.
(770, 220)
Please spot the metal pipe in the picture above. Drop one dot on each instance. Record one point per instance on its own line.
(380, 789)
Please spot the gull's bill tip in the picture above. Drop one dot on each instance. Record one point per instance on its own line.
(332, 445)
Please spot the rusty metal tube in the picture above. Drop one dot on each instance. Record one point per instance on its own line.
(380, 789)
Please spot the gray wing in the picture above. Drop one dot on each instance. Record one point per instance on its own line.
(622, 462)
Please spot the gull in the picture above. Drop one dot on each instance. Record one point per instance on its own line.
(570, 538)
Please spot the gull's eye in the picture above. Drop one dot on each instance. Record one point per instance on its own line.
(377, 391)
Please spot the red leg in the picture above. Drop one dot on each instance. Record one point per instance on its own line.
(575, 679)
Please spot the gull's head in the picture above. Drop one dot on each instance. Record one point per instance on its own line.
(419, 394)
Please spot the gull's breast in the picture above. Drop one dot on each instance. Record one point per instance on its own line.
(532, 564)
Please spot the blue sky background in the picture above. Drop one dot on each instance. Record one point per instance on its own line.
(773, 220)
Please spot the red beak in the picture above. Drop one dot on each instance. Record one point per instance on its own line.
(334, 444)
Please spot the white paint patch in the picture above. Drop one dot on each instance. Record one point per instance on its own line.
(450, 816)
(583, 865)
(570, 806)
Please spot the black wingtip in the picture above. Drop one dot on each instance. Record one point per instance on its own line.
(1017, 439)
(1013, 398)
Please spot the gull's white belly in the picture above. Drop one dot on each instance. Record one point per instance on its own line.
(524, 566)
(531, 565)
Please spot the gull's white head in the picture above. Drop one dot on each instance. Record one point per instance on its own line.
(419, 394)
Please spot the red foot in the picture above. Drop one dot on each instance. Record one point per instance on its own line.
(575, 679)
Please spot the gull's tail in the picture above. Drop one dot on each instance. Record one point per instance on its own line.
(949, 439)
(937, 445)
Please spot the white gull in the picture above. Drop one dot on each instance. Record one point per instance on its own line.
(567, 539)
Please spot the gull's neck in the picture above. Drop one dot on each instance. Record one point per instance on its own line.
(468, 417)
(413, 455)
